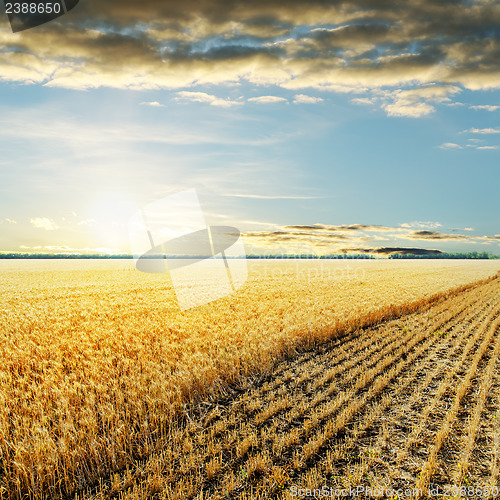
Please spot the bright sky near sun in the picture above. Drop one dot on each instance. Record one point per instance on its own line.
(315, 125)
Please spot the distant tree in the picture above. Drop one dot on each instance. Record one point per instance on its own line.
(447, 255)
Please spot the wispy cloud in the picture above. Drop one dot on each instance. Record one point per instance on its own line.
(84, 135)
(482, 131)
(258, 223)
(8, 221)
(421, 225)
(63, 249)
(486, 107)
(340, 228)
(364, 101)
(87, 222)
(44, 223)
(474, 145)
(272, 197)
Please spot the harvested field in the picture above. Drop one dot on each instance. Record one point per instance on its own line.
(109, 390)
(410, 404)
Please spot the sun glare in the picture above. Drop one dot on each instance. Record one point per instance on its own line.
(112, 208)
(110, 213)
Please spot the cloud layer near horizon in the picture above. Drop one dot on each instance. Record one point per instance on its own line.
(352, 46)
(325, 239)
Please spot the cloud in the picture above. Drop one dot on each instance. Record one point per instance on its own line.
(486, 107)
(342, 228)
(393, 251)
(87, 222)
(475, 145)
(206, 98)
(482, 131)
(417, 102)
(271, 197)
(44, 223)
(350, 46)
(153, 104)
(257, 223)
(63, 249)
(316, 238)
(435, 235)
(267, 99)
(286, 242)
(450, 145)
(305, 99)
(8, 221)
(331, 239)
(364, 101)
(420, 224)
(83, 135)
(291, 235)
(408, 108)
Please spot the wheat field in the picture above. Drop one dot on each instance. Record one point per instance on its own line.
(108, 390)
(409, 406)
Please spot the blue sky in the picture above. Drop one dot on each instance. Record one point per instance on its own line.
(358, 136)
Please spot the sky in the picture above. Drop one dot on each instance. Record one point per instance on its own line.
(318, 126)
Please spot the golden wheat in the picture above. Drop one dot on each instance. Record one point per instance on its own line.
(327, 443)
(100, 371)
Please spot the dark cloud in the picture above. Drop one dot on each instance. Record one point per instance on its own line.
(342, 228)
(303, 228)
(348, 46)
(391, 251)
(435, 235)
(406, 251)
(388, 251)
(290, 235)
